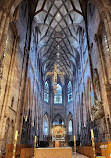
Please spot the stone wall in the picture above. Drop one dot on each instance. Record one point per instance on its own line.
(90, 92)
(22, 105)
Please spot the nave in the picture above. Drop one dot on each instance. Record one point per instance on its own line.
(55, 77)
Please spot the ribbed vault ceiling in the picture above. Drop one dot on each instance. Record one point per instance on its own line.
(58, 22)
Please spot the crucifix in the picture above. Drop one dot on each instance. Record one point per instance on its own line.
(55, 73)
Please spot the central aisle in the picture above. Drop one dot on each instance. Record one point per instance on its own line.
(79, 156)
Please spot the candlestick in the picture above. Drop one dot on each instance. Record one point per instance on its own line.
(15, 142)
(35, 140)
(16, 135)
(75, 145)
(93, 144)
(74, 138)
(26, 118)
(92, 133)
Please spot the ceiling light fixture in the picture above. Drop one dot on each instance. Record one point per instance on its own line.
(58, 14)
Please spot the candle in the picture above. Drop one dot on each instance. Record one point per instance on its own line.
(74, 138)
(92, 134)
(75, 145)
(35, 138)
(16, 135)
(26, 118)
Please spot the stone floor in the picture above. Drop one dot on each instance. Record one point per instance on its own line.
(78, 156)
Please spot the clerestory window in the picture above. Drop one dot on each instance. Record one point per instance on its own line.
(69, 90)
(46, 92)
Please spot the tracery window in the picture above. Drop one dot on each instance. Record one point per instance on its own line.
(58, 95)
(46, 92)
(70, 127)
(69, 90)
(45, 125)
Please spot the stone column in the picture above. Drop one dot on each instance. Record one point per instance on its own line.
(109, 18)
(103, 84)
(2, 25)
(107, 28)
(9, 82)
(0, 15)
(98, 40)
(3, 121)
(4, 35)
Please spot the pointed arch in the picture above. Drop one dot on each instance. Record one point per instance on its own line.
(45, 125)
(58, 119)
(70, 123)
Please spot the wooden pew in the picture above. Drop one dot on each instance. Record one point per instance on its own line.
(108, 150)
(27, 153)
(85, 150)
(9, 150)
(103, 148)
(100, 150)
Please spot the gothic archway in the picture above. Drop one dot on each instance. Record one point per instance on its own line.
(58, 120)
(45, 125)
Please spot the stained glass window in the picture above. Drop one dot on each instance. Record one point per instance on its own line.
(69, 88)
(46, 92)
(45, 125)
(70, 127)
(58, 95)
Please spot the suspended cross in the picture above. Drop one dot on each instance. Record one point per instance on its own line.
(55, 73)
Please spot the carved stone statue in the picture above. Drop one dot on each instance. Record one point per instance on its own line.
(97, 86)
(97, 110)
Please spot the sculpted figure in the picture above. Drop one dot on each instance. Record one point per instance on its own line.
(97, 85)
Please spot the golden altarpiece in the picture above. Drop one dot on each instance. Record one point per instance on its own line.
(58, 134)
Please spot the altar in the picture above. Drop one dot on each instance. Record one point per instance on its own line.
(53, 152)
(57, 143)
(58, 133)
